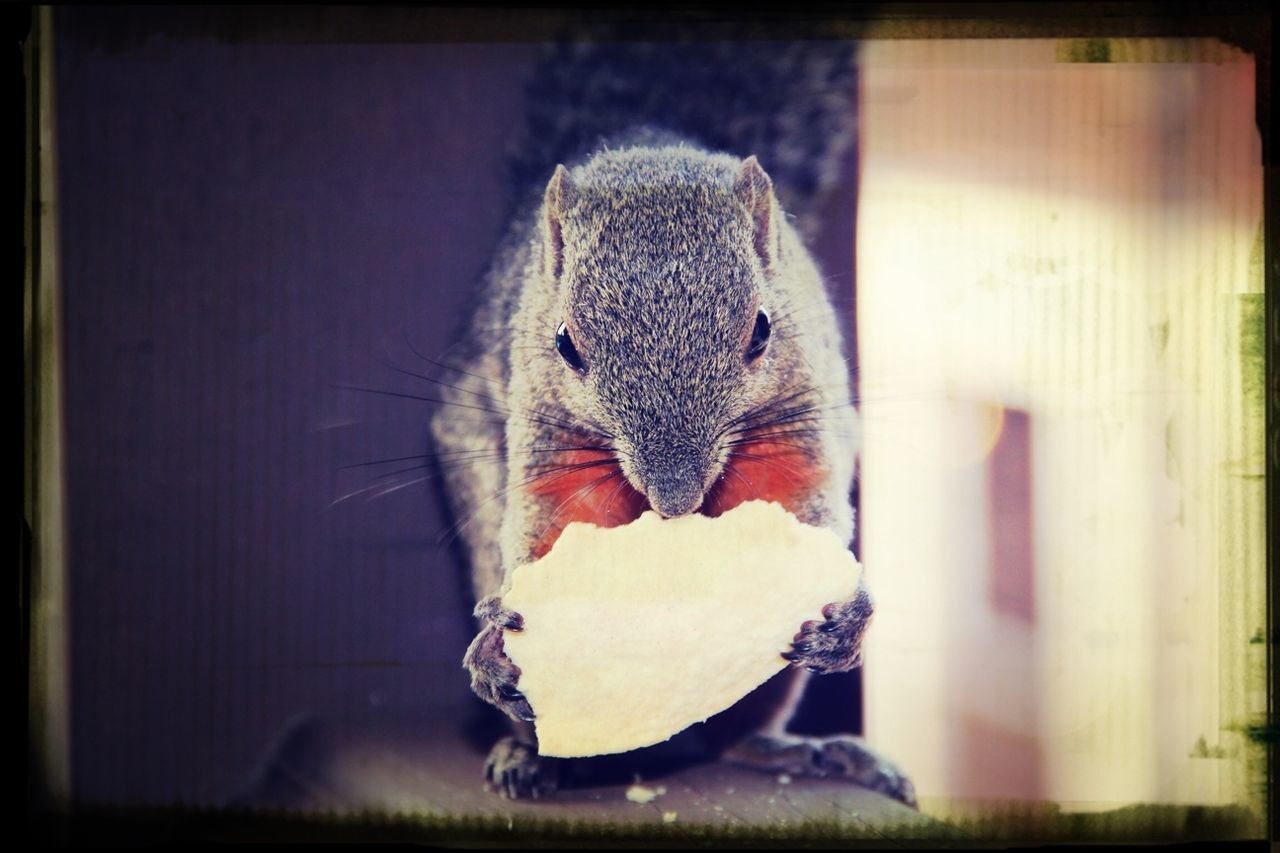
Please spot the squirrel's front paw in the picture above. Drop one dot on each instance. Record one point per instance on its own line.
(493, 675)
(835, 644)
(491, 611)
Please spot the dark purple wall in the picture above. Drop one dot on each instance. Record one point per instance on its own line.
(245, 224)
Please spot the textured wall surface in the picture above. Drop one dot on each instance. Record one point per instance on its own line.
(244, 226)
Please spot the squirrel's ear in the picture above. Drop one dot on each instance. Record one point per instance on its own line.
(755, 191)
(558, 198)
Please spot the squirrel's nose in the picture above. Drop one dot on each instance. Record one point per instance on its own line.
(674, 480)
(672, 502)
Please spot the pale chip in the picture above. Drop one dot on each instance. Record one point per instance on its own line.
(632, 634)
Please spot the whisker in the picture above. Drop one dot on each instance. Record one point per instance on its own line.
(567, 424)
(440, 364)
(784, 416)
(579, 494)
(397, 488)
(750, 485)
(378, 481)
(572, 466)
(541, 419)
(799, 414)
(560, 472)
(756, 439)
(794, 474)
(467, 455)
(546, 419)
(780, 438)
(761, 411)
(401, 394)
(377, 485)
(373, 462)
(608, 507)
(714, 494)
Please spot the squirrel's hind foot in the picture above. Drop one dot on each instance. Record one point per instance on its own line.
(519, 773)
(831, 757)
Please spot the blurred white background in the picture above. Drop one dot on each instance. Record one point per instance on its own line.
(1060, 329)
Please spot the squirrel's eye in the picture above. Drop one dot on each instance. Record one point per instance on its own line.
(759, 337)
(564, 346)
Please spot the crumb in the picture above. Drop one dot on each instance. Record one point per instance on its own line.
(784, 779)
(641, 794)
(668, 817)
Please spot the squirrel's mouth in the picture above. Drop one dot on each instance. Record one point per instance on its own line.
(589, 485)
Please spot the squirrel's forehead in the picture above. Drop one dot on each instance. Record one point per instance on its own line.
(655, 233)
(659, 308)
(639, 275)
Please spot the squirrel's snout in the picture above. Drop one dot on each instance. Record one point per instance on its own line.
(674, 480)
(670, 503)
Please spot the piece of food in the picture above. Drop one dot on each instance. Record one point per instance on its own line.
(632, 634)
(641, 794)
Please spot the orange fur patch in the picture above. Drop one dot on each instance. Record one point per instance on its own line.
(764, 470)
(583, 485)
(588, 485)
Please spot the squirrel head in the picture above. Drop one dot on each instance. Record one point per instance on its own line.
(659, 266)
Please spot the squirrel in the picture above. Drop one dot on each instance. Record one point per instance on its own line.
(656, 336)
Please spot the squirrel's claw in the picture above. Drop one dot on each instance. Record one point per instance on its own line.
(834, 644)
(518, 772)
(494, 676)
(491, 611)
(517, 703)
